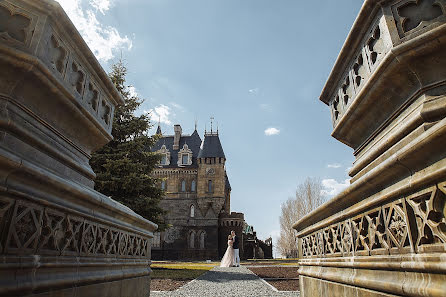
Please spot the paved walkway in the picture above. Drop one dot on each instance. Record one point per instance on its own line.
(226, 282)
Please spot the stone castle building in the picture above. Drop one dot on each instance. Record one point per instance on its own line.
(197, 197)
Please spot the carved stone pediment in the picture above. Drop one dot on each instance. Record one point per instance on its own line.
(185, 151)
(164, 151)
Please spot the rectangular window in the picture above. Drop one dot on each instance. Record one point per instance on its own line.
(185, 159)
(210, 186)
(163, 185)
(163, 159)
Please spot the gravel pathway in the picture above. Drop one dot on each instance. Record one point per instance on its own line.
(226, 282)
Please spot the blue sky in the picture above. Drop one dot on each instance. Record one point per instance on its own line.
(256, 66)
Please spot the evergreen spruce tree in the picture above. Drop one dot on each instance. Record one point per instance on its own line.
(123, 167)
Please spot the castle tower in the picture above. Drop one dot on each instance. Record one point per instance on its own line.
(230, 222)
(213, 185)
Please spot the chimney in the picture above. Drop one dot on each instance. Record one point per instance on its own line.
(177, 136)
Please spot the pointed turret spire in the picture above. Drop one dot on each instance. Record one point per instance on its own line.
(158, 130)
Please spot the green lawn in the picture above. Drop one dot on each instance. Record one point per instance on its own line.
(180, 270)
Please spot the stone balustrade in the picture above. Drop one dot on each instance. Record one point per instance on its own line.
(59, 237)
(44, 32)
(377, 72)
(385, 235)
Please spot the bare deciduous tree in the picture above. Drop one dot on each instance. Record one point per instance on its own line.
(308, 197)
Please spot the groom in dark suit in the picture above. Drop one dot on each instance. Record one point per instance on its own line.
(236, 250)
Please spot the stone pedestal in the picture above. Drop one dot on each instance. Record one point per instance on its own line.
(59, 237)
(385, 235)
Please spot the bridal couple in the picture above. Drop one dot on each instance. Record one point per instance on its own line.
(231, 257)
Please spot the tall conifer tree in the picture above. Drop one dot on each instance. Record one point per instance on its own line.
(123, 167)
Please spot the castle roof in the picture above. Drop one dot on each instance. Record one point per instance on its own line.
(193, 142)
(227, 184)
(211, 147)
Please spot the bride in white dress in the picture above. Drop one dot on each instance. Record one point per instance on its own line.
(228, 258)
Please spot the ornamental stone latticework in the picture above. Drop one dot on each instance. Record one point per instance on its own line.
(58, 236)
(385, 235)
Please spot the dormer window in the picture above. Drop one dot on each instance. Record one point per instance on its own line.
(165, 155)
(185, 156)
(185, 159)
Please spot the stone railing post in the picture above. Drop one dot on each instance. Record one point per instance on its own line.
(385, 235)
(59, 237)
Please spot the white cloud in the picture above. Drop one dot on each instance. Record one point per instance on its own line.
(272, 131)
(103, 40)
(333, 187)
(177, 106)
(101, 5)
(161, 113)
(132, 91)
(254, 91)
(265, 106)
(334, 165)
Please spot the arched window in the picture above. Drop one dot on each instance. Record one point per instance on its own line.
(183, 186)
(192, 239)
(163, 185)
(202, 239)
(192, 211)
(209, 186)
(193, 186)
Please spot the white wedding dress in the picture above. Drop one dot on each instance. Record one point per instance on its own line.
(228, 258)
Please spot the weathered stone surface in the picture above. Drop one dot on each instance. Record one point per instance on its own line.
(59, 237)
(386, 233)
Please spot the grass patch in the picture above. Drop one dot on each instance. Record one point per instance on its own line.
(184, 265)
(180, 270)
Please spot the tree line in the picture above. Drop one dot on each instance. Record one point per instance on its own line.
(123, 167)
(308, 197)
